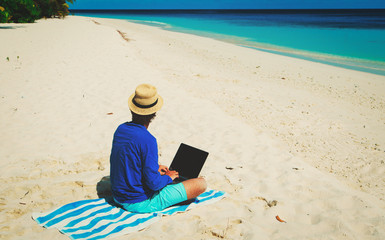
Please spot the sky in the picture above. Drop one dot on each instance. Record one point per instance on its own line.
(226, 4)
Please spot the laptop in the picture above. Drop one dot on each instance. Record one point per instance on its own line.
(188, 162)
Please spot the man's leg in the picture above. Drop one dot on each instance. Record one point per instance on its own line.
(194, 187)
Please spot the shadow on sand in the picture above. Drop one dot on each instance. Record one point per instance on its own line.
(10, 27)
(103, 189)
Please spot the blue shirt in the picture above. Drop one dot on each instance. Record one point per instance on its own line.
(134, 164)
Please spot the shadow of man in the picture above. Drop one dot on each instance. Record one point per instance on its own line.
(103, 188)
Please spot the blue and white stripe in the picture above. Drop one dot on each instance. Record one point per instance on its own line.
(97, 219)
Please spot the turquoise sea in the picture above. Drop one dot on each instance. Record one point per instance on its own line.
(353, 39)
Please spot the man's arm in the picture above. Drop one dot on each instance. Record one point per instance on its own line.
(151, 175)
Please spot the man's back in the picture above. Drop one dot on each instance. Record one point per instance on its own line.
(134, 164)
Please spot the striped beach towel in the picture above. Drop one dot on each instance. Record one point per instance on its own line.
(98, 219)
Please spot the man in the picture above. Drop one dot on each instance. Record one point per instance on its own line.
(138, 182)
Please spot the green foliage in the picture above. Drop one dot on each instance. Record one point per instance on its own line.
(19, 11)
(4, 15)
(23, 11)
(53, 8)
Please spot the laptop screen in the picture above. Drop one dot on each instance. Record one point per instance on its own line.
(188, 161)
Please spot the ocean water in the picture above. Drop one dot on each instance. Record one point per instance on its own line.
(353, 39)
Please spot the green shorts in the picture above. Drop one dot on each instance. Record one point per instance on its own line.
(168, 196)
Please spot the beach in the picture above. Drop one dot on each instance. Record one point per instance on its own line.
(308, 135)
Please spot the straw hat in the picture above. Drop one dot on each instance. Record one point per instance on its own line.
(145, 100)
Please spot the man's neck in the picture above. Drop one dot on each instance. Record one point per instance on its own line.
(144, 125)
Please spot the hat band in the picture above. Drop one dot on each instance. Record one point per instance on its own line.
(144, 106)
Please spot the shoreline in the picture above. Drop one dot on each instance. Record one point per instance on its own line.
(339, 61)
(347, 62)
(305, 134)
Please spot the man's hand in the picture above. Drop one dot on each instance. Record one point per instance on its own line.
(163, 169)
(172, 174)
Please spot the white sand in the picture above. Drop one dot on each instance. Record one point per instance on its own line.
(307, 135)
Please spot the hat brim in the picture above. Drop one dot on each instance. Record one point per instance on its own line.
(145, 111)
